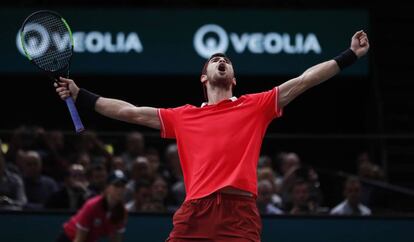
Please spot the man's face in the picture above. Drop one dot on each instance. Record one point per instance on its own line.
(300, 194)
(353, 192)
(220, 72)
(159, 190)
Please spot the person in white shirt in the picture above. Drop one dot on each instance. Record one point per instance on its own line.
(352, 204)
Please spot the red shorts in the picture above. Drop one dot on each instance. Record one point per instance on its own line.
(218, 217)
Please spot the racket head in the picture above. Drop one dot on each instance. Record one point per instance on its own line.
(47, 41)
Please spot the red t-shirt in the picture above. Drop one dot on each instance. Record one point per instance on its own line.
(94, 219)
(219, 145)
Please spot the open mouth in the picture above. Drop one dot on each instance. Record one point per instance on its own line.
(222, 67)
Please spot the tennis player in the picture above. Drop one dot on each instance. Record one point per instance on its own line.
(101, 216)
(219, 142)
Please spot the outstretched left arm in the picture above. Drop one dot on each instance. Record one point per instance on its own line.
(320, 72)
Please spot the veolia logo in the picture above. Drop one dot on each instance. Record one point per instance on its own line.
(212, 38)
(92, 42)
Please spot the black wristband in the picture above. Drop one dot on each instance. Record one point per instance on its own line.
(346, 58)
(86, 99)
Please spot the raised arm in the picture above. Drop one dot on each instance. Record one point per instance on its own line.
(323, 71)
(112, 108)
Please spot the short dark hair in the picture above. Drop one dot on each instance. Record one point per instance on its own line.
(204, 71)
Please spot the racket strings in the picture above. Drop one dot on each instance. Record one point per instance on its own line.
(48, 42)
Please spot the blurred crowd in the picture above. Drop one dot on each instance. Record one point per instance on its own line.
(42, 170)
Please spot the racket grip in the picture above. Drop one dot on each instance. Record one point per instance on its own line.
(74, 115)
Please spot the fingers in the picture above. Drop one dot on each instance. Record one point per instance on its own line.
(363, 41)
(65, 80)
(361, 37)
(62, 90)
(357, 34)
(60, 84)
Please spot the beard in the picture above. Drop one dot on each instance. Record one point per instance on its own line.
(219, 80)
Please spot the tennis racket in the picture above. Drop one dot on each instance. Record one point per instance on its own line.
(48, 43)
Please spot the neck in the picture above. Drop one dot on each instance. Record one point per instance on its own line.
(217, 94)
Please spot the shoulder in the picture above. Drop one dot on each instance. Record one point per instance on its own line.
(338, 208)
(364, 209)
(262, 94)
(94, 202)
(179, 108)
(13, 177)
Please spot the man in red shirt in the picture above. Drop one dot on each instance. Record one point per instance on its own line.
(219, 142)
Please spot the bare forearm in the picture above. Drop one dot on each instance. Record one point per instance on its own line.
(113, 108)
(325, 70)
(311, 77)
(124, 111)
(319, 73)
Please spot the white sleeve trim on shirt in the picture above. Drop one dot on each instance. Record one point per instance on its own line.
(163, 134)
(122, 230)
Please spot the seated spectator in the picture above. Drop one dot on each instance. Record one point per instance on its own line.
(159, 193)
(134, 147)
(264, 199)
(117, 163)
(37, 186)
(175, 175)
(142, 195)
(266, 173)
(288, 164)
(72, 195)
(264, 161)
(367, 169)
(352, 204)
(97, 176)
(140, 171)
(12, 194)
(301, 203)
(88, 142)
(84, 159)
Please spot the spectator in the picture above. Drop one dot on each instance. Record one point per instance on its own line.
(352, 204)
(142, 195)
(55, 162)
(134, 147)
(23, 138)
(266, 173)
(37, 186)
(97, 176)
(12, 194)
(264, 199)
(88, 142)
(367, 169)
(156, 168)
(72, 195)
(175, 176)
(264, 161)
(159, 193)
(117, 163)
(301, 204)
(84, 159)
(140, 171)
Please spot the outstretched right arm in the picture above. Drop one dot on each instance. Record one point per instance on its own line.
(113, 108)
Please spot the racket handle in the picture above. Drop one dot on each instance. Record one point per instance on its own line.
(74, 114)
